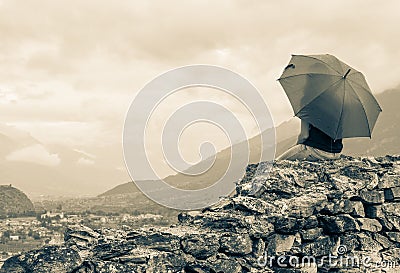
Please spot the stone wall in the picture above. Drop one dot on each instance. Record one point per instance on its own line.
(292, 219)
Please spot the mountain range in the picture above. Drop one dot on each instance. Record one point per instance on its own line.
(65, 171)
(385, 140)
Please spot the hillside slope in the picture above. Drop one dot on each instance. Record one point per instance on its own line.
(220, 165)
(14, 202)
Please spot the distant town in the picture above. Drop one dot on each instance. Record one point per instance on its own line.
(19, 234)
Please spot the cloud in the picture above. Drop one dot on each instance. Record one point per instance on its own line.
(85, 161)
(72, 68)
(36, 153)
(70, 133)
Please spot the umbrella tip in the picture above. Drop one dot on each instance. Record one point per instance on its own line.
(345, 75)
(290, 66)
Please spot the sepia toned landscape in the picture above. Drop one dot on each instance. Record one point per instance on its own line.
(69, 75)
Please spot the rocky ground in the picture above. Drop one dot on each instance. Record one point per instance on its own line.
(341, 216)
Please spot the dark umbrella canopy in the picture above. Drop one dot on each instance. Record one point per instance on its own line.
(330, 95)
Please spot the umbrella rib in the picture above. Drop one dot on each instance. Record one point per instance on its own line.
(341, 112)
(317, 96)
(368, 91)
(362, 105)
(321, 62)
(303, 74)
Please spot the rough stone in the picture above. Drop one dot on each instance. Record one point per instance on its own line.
(349, 241)
(354, 208)
(81, 236)
(50, 259)
(392, 254)
(392, 209)
(307, 268)
(226, 265)
(311, 222)
(386, 224)
(166, 262)
(392, 222)
(389, 181)
(218, 264)
(252, 204)
(156, 240)
(393, 236)
(384, 241)
(107, 251)
(200, 246)
(260, 228)
(280, 243)
(106, 266)
(305, 208)
(236, 243)
(367, 243)
(372, 197)
(300, 207)
(323, 246)
(221, 221)
(311, 234)
(339, 224)
(371, 225)
(188, 217)
(356, 172)
(288, 225)
(258, 248)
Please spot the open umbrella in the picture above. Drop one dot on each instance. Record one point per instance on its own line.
(330, 95)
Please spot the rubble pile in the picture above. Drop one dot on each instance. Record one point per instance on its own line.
(332, 216)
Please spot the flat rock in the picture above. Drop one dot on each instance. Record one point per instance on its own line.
(389, 181)
(354, 208)
(371, 225)
(252, 204)
(391, 209)
(367, 243)
(155, 240)
(372, 197)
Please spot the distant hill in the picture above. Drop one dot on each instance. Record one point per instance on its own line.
(128, 187)
(385, 140)
(14, 202)
(220, 165)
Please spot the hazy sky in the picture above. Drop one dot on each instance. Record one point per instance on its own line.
(69, 69)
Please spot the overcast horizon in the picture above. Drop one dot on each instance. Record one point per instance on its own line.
(69, 70)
